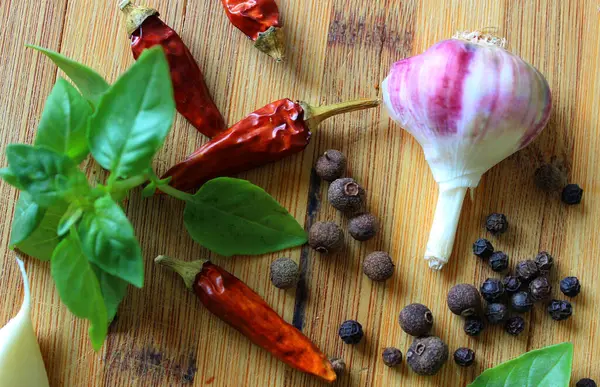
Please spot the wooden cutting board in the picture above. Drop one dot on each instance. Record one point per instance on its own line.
(337, 50)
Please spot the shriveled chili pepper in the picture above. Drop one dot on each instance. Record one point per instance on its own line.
(271, 133)
(228, 298)
(192, 97)
(258, 20)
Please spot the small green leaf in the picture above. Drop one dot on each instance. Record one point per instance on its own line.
(90, 83)
(69, 218)
(8, 176)
(150, 189)
(78, 287)
(64, 122)
(232, 216)
(109, 242)
(28, 216)
(546, 367)
(134, 116)
(113, 289)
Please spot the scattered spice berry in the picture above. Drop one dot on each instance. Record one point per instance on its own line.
(560, 310)
(512, 284)
(325, 237)
(464, 300)
(496, 223)
(483, 248)
(464, 357)
(521, 302)
(515, 325)
(549, 177)
(351, 332)
(586, 382)
(346, 195)
(499, 261)
(392, 356)
(284, 273)
(416, 319)
(544, 262)
(331, 165)
(572, 194)
(527, 270)
(338, 364)
(473, 326)
(378, 266)
(363, 227)
(496, 313)
(492, 289)
(427, 355)
(540, 289)
(570, 286)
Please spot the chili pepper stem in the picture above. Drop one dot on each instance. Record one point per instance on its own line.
(313, 116)
(271, 42)
(135, 15)
(187, 270)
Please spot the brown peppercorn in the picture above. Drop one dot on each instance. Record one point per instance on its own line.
(325, 237)
(527, 270)
(464, 300)
(346, 195)
(550, 177)
(427, 355)
(544, 262)
(378, 266)
(540, 289)
(363, 227)
(416, 319)
(284, 273)
(331, 165)
(338, 364)
(392, 357)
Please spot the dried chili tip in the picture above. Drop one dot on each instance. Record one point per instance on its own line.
(135, 15)
(271, 42)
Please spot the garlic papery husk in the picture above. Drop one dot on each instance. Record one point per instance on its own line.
(470, 104)
(21, 362)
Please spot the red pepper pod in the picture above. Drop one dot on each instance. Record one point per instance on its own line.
(192, 98)
(228, 298)
(275, 131)
(258, 20)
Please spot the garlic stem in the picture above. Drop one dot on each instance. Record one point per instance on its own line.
(445, 223)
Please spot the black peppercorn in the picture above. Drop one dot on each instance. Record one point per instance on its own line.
(284, 273)
(586, 382)
(540, 289)
(392, 356)
(527, 270)
(416, 319)
(499, 261)
(351, 332)
(496, 223)
(496, 313)
(515, 325)
(550, 177)
(338, 364)
(560, 310)
(346, 195)
(427, 355)
(512, 284)
(464, 300)
(572, 194)
(570, 286)
(464, 357)
(325, 237)
(492, 289)
(331, 165)
(521, 302)
(363, 227)
(483, 248)
(378, 266)
(473, 326)
(544, 262)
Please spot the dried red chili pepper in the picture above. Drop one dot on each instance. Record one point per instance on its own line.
(234, 302)
(258, 20)
(192, 97)
(271, 133)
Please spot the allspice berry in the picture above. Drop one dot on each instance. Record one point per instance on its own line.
(416, 320)
(550, 178)
(284, 273)
(346, 195)
(331, 165)
(363, 227)
(378, 266)
(338, 364)
(464, 300)
(325, 237)
(427, 355)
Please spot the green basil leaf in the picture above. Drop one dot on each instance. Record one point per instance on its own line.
(69, 218)
(90, 83)
(8, 176)
(64, 122)
(232, 216)
(549, 366)
(78, 287)
(134, 116)
(150, 189)
(113, 289)
(28, 216)
(109, 242)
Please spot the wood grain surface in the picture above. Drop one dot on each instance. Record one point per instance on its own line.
(337, 50)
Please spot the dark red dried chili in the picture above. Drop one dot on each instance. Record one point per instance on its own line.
(192, 97)
(234, 302)
(275, 131)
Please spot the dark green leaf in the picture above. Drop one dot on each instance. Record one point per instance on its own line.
(28, 216)
(69, 218)
(44, 239)
(150, 189)
(64, 122)
(233, 216)
(109, 241)
(113, 291)
(8, 176)
(78, 287)
(134, 116)
(549, 366)
(90, 83)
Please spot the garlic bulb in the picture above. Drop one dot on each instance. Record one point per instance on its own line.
(470, 104)
(21, 362)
